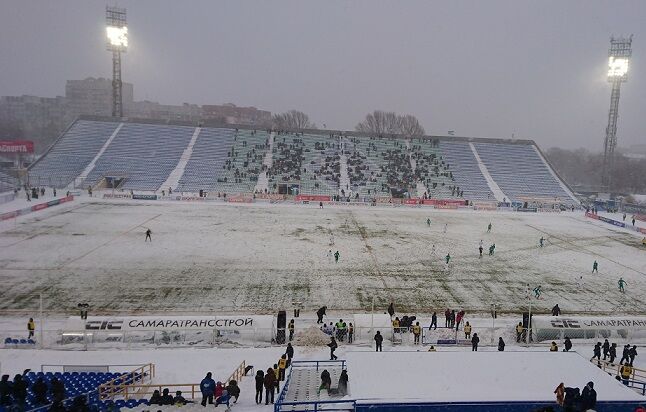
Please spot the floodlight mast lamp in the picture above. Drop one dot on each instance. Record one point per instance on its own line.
(618, 60)
(117, 42)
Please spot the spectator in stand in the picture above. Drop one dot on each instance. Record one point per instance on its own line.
(282, 364)
(156, 399)
(568, 344)
(270, 383)
(277, 381)
(260, 380)
(79, 404)
(58, 390)
(166, 398)
(588, 397)
(290, 354)
(40, 390)
(343, 383)
(5, 391)
(378, 341)
(19, 392)
(326, 380)
(217, 392)
(207, 386)
(233, 389)
(179, 400)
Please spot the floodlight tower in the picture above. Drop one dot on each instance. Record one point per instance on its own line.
(618, 58)
(117, 36)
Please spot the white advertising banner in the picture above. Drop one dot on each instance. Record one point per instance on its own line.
(589, 322)
(153, 323)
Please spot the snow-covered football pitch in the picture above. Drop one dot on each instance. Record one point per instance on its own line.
(263, 257)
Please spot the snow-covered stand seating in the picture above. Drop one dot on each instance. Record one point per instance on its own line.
(14, 343)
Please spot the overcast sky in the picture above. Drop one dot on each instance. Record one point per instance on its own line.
(536, 69)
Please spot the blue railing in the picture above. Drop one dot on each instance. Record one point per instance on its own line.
(309, 364)
(335, 405)
(640, 386)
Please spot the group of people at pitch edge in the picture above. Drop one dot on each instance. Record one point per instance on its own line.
(270, 380)
(216, 391)
(573, 400)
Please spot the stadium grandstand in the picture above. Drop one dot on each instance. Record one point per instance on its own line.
(140, 156)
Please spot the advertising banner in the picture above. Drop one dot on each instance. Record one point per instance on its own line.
(145, 197)
(16, 146)
(589, 323)
(527, 209)
(592, 215)
(312, 198)
(167, 323)
(116, 196)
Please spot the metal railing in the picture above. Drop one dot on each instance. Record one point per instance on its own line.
(119, 385)
(317, 363)
(638, 375)
(238, 373)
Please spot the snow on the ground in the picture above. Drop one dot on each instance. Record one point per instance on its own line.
(262, 257)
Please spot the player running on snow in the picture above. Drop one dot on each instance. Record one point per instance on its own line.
(492, 249)
(537, 292)
(428, 222)
(148, 233)
(595, 267)
(446, 225)
(621, 284)
(480, 250)
(541, 241)
(336, 256)
(448, 258)
(433, 250)
(489, 228)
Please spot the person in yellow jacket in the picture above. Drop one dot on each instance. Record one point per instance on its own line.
(625, 371)
(282, 364)
(432, 349)
(417, 330)
(554, 347)
(277, 374)
(519, 331)
(467, 331)
(396, 325)
(31, 327)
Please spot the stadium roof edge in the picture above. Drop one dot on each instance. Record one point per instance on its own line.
(208, 123)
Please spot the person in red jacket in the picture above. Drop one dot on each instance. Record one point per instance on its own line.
(458, 319)
(270, 384)
(218, 390)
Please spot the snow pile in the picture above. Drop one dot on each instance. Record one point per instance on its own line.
(312, 336)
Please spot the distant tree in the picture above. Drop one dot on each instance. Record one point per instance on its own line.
(380, 123)
(292, 119)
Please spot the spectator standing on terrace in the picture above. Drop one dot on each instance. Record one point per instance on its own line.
(458, 319)
(343, 383)
(320, 313)
(332, 345)
(5, 391)
(417, 330)
(31, 327)
(282, 365)
(19, 392)
(40, 391)
(166, 398)
(378, 341)
(433, 321)
(350, 333)
(270, 384)
(452, 319)
(613, 352)
(233, 389)
(632, 353)
(474, 342)
(606, 349)
(391, 309)
(290, 327)
(148, 237)
(290, 353)
(260, 380)
(467, 331)
(207, 387)
(568, 344)
(519, 331)
(588, 397)
(501, 344)
(595, 267)
(58, 390)
(596, 352)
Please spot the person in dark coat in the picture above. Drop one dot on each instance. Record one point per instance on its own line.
(391, 309)
(234, 390)
(632, 353)
(79, 404)
(270, 384)
(588, 397)
(290, 353)
(556, 311)
(326, 380)
(179, 400)
(156, 399)
(207, 387)
(474, 342)
(567, 344)
(613, 352)
(433, 322)
(58, 390)
(332, 345)
(40, 391)
(320, 313)
(606, 349)
(19, 391)
(625, 354)
(260, 380)
(343, 383)
(6, 390)
(166, 398)
(501, 345)
(596, 352)
(378, 341)
(572, 399)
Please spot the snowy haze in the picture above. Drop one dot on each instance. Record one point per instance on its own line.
(533, 69)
